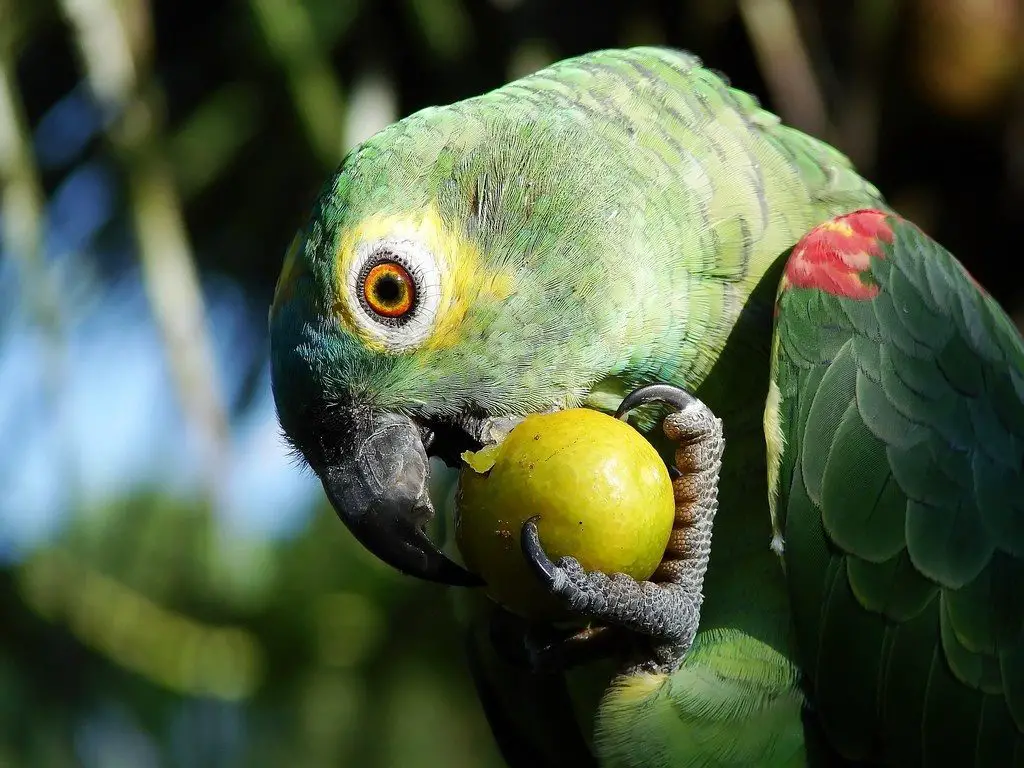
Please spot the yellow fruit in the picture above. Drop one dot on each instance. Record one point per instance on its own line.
(601, 490)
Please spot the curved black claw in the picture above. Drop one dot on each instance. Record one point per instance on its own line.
(583, 647)
(665, 394)
(536, 557)
(542, 647)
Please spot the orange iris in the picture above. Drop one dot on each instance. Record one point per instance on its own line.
(389, 289)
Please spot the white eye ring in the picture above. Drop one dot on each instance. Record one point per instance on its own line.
(397, 334)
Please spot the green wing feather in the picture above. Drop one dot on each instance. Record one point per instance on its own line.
(901, 496)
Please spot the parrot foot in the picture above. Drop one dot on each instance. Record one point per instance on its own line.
(666, 609)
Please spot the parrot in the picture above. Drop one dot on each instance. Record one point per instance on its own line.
(840, 404)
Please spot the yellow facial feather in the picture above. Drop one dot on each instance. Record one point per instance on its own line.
(463, 277)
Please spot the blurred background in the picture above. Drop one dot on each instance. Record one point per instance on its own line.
(174, 590)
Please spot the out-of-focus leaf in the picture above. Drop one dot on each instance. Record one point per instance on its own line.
(444, 26)
(289, 31)
(969, 53)
(214, 135)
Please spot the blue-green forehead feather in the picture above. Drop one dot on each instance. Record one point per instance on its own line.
(629, 200)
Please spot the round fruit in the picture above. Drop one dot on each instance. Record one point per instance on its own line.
(601, 490)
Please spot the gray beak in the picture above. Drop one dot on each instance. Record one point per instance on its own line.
(378, 487)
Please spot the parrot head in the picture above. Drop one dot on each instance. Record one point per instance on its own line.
(441, 290)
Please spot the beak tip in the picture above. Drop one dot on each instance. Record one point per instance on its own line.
(457, 576)
(414, 554)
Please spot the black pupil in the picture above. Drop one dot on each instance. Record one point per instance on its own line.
(388, 289)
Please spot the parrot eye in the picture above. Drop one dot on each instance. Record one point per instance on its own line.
(394, 291)
(389, 290)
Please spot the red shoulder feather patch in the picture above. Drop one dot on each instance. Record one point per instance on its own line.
(832, 256)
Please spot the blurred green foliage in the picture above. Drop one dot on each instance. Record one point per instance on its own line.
(145, 632)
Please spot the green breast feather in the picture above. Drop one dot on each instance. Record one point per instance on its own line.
(900, 496)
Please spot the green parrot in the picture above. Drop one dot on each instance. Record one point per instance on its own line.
(841, 405)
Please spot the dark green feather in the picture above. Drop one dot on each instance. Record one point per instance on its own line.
(835, 688)
(894, 588)
(952, 716)
(870, 522)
